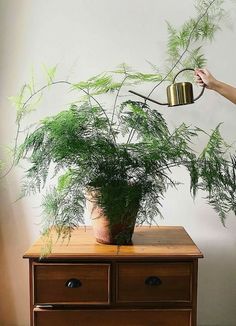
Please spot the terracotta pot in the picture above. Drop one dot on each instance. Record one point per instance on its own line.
(105, 232)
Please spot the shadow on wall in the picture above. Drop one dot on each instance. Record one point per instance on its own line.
(14, 240)
(15, 233)
(217, 284)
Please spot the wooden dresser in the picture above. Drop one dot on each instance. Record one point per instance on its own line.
(152, 282)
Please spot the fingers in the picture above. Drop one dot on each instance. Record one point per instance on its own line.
(200, 76)
(203, 77)
(202, 72)
(201, 84)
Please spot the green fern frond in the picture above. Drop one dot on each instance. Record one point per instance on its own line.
(123, 151)
(143, 77)
(216, 146)
(50, 73)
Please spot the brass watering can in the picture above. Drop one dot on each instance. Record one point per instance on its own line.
(177, 93)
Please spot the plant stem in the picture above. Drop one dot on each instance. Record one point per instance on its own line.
(80, 88)
(28, 100)
(186, 48)
(117, 94)
(132, 132)
(95, 100)
(14, 152)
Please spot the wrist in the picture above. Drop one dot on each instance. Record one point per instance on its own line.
(215, 85)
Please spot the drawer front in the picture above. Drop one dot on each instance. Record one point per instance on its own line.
(71, 283)
(113, 318)
(154, 282)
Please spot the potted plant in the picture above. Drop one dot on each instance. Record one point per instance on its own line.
(120, 157)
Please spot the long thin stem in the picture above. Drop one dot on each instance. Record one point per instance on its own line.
(132, 132)
(186, 48)
(30, 98)
(131, 135)
(14, 152)
(71, 84)
(104, 112)
(117, 95)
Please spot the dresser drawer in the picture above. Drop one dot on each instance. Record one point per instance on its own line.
(132, 317)
(71, 283)
(154, 282)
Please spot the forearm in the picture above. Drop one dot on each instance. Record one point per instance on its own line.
(225, 90)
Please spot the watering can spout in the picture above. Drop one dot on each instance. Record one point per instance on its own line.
(177, 93)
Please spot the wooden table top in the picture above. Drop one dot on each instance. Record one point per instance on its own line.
(152, 242)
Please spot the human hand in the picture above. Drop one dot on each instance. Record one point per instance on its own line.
(204, 78)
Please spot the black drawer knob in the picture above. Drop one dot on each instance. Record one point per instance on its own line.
(73, 283)
(153, 281)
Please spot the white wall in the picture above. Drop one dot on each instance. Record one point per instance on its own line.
(86, 37)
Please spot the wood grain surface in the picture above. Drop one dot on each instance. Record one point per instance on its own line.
(163, 241)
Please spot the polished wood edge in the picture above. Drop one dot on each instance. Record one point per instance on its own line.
(116, 251)
(195, 285)
(73, 303)
(37, 309)
(31, 291)
(114, 257)
(200, 253)
(70, 264)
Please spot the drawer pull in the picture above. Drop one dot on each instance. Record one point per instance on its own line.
(153, 281)
(73, 283)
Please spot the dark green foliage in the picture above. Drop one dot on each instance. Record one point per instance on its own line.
(128, 178)
(124, 154)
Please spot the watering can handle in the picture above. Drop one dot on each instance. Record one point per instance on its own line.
(154, 101)
(203, 89)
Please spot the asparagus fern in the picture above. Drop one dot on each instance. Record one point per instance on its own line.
(125, 153)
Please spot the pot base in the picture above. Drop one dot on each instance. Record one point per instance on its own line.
(115, 235)
(113, 242)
